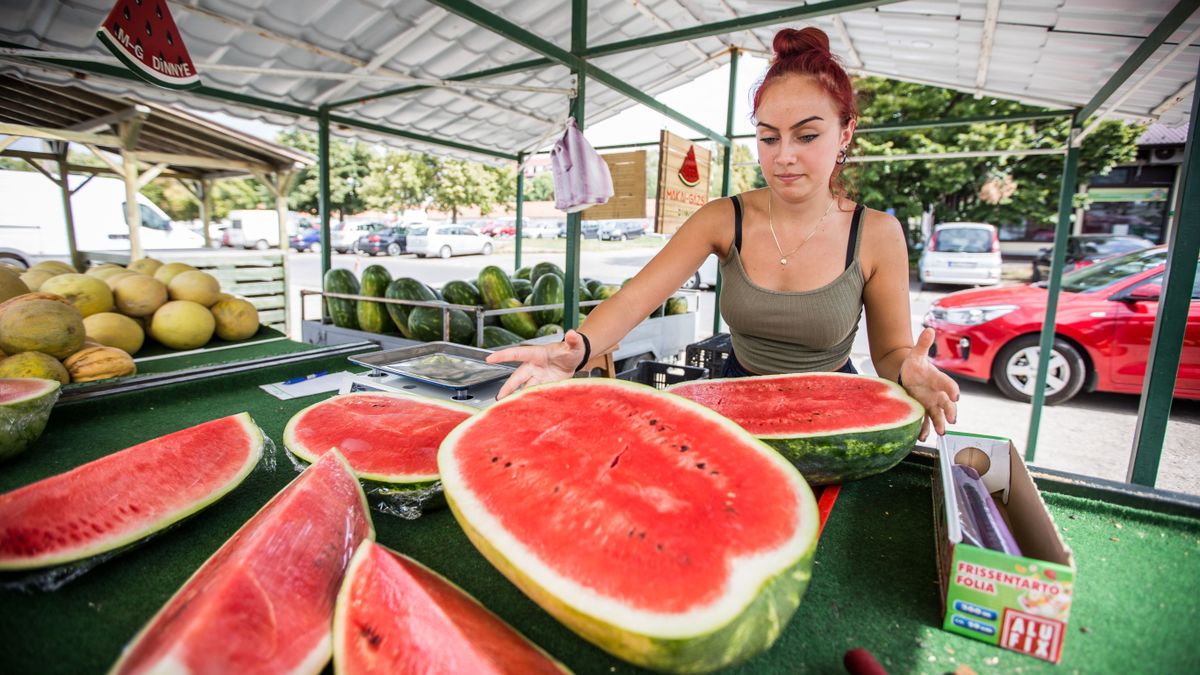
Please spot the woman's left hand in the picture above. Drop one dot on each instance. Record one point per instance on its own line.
(931, 387)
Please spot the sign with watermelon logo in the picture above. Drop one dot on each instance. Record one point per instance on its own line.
(684, 170)
(689, 172)
(142, 34)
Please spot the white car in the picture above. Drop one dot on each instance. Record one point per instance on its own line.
(545, 229)
(446, 240)
(965, 254)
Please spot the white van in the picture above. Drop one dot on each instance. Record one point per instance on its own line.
(259, 228)
(32, 225)
(961, 253)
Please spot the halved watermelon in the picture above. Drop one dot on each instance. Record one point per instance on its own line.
(126, 496)
(653, 527)
(386, 437)
(834, 427)
(264, 601)
(394, 615)
(689, 171)
(25, 405)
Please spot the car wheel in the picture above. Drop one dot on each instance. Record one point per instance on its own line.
(445, 252)
(1015, 370)
(487, 249)
(261, 245)
(621, 236)
(693, 283)
(420, 255)
(394, 249)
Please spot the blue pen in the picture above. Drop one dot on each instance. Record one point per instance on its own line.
(297, 380)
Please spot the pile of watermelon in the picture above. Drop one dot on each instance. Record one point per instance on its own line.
(539, 285)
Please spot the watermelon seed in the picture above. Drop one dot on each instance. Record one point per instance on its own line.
(641, 535)
(170, 39)
(494, 459)
(683, 448)
(372, 637)
(700, 465)
(507, 464)
(148, 32)
(714, 473)
(126, 12)
(631, 533)
(653, 422)
(555, 489)
(158, 12)
(658, 546)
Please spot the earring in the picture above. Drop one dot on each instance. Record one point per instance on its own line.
(842, 156)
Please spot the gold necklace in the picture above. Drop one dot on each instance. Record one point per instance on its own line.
(783, 257)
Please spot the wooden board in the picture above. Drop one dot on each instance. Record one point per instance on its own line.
(677, 201)
(628, 171)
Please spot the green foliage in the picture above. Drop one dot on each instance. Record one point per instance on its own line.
(398, 180)
(458, 184)
(541, 188)
(997, 190)
(349, 165)
(745, 170)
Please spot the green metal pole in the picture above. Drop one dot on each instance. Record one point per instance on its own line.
(726, 171)
(1166, 345)
(323, 194)
(520, 207)
(575, 220)
(1065, 209)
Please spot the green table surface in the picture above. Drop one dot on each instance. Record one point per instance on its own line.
(1137, 599)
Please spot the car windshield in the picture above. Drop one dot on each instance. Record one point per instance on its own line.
(963, 240)
(1109, 272)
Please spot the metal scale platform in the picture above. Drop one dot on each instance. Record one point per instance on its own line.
(442, 370)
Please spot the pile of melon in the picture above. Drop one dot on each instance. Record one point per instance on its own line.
(60, 325)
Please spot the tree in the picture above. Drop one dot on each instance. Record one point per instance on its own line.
(541, 188)
(458, 184)
(1002, 191)
(398, 180)
(745, 170)
(349, 165)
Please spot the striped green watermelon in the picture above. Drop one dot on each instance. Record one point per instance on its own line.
(834, 427)
(674, 539)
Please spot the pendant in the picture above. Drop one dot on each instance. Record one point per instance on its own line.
(783, 261)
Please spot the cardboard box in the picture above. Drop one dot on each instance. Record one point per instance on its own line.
(1021, 603)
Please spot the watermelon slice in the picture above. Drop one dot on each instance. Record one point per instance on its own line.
(25, 405)
(126, 496)
(264, 601)
(651, 526)
(386, 438)
(689, 171)
(833, 426)
(143, 35)
(394, 615)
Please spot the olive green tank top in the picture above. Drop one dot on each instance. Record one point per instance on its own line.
(792, 331)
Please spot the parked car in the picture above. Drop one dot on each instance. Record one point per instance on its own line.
(505, 227)
(543, 229)
(620, 230)
(347, 233)
(390, 240)
(588, 229)
(1103, 326)
(308, 239)
(961, 253)
(447, 240)
(1088, 249)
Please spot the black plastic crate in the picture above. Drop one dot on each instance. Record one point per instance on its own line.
(710, 353)
(662, 375)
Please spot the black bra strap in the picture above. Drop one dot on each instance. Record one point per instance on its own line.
(737, 223)
(855, 222)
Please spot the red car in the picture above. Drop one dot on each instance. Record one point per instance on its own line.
(1106, 315)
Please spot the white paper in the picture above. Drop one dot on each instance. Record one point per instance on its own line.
(317, 385)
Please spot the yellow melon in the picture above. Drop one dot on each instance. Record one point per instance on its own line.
(42, 326)
(113, 279)
(34, 364)
(145, 265)
(183, 324)
(167, 272)
(105, 271)
(139, 295)
(55, 267)
(196, 286)
(236, 319)
(99, 363)
(115, 330)
(11, 285)
(89, 294)
(33, 279)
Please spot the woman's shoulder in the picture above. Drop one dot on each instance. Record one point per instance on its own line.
(880, 227)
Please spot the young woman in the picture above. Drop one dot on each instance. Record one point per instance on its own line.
(800, 260)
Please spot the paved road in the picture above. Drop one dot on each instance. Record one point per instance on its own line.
(1092, 434)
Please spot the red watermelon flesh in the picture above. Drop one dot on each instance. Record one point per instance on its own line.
(143, 35)
(689, 171)
(14, 389)
(264, 601)
(126, 496)
(395, 615)
(653, 527)
(389, 438)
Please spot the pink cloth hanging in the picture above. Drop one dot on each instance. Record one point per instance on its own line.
(581, 176)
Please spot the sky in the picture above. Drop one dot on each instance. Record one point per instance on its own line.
(703, 99)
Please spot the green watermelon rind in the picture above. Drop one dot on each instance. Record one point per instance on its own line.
(396, 480)
(373, 317)
(684, 644)
(23, 419)
(342, 312)
(345, 604)
(149, 74)
(85, 552)
(853, 453)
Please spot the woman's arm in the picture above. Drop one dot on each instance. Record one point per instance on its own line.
(612, 319)
(889, 324)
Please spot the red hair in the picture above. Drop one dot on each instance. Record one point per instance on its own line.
(806, 52)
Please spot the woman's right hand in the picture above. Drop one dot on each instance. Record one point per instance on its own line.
(540, 363)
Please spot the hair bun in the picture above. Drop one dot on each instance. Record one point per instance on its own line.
(790, 42)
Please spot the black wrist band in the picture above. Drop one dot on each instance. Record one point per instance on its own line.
(587, 351)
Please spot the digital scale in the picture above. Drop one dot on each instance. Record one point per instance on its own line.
(442, 370)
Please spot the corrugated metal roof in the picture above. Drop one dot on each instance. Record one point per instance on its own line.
(1161, 134)
(1048, 52)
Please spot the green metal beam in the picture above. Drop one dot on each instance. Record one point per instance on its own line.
(520, 208)
(1171, 320)
(791, 14)
(575, 220)
(379, 128)
(1065, 210)
(574, 61)
(962, 121)
(1170, 23)
(726, 177)
(468, 77)
(323, 193)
